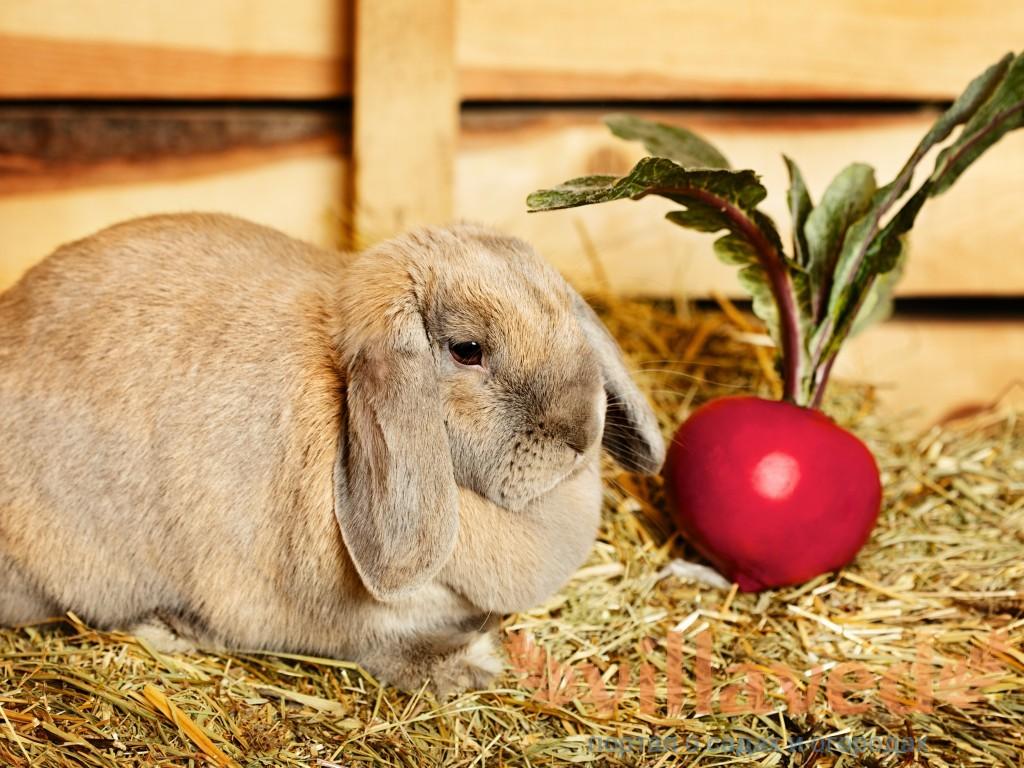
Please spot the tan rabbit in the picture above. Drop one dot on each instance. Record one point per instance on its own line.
(269, 446)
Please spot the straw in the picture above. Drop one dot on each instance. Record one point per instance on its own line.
(943, 571)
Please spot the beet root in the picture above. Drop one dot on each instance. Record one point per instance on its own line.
(770, 492)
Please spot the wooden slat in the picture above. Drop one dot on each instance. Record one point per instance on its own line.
(47, 148)
(229, 49)
(511, 49)
(405, 120)
(296, 188)
(927, 370)
(68, 171)
(967, 242)
(747, 49)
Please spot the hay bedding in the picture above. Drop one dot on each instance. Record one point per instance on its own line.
(942, 572)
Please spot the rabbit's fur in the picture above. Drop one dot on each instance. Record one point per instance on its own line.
(269, 446)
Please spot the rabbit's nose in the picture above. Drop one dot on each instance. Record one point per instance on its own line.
(577, 429)
(573, 412)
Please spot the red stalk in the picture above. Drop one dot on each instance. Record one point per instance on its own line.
(770, 259)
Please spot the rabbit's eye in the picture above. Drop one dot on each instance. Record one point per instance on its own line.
(466, 352)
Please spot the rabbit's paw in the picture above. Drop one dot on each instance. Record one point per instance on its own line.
(473, 665)
(157, 633)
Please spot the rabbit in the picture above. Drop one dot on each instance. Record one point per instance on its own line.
(215, 433)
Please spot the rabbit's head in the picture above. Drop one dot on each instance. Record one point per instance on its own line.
(468, 362)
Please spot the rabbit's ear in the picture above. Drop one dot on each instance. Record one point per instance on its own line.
(631, 431)
(395, 494)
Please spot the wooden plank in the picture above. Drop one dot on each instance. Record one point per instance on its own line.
(405, 121)
(68, 171)
(48, 148)
(927, 370)
(296, 188)
(745, 49)
(230, 49)
(967, 242)
(510, 49)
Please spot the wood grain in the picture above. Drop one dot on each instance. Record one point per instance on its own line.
(744, 49)
(405, 121)
(511, 49)
(230, 49)
(33, 67)
(967, 242)
(296, 188)
(49, 148)
(929, 369)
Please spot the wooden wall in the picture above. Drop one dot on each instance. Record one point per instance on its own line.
(343, 124)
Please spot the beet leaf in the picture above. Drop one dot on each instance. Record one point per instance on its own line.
(847, 252)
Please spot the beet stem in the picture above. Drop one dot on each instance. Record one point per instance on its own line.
(821, 382)
(770, 259)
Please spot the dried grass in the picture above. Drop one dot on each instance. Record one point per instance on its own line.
(944, 566)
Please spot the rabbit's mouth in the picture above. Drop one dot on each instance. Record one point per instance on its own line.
(523, 494)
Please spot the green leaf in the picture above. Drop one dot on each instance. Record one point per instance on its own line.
(871, 249)
(847, 198)
(765, 224)
(730, 249)
(580, 191)
(670, 141)
(659, 176)
(967, 104)
(800, 207)
(710, 216)
(755, 281)
(736, 248)
(877, 304)
(1002, 113)
(991, 120)
(712, 200)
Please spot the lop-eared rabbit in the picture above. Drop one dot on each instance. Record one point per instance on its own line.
(212, 432)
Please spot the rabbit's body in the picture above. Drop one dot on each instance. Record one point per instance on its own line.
(177, 411)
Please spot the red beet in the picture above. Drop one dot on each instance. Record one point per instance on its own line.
(770, 492)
